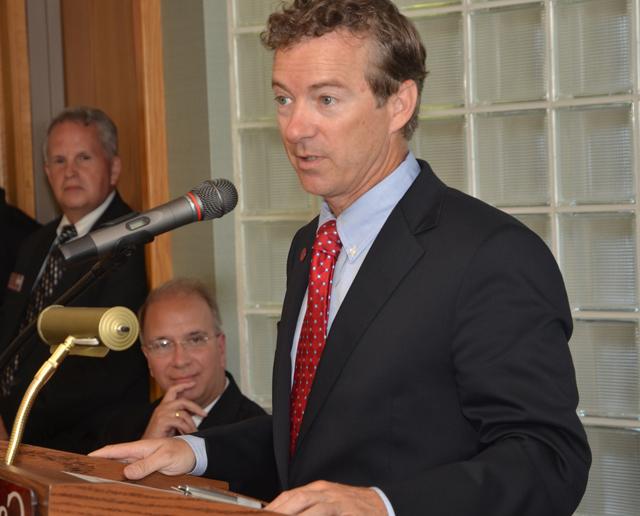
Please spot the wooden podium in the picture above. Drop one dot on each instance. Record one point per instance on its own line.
(47, 478)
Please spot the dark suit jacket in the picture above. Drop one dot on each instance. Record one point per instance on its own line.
(82, 386)
(15, 226)
(446, 380)
(129, 423)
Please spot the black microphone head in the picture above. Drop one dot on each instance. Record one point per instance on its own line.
(218, 197)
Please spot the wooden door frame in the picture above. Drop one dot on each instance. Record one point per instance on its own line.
(147, 34)
(16, 158)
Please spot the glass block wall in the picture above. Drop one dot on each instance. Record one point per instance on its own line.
(272, 205)
(530, 106)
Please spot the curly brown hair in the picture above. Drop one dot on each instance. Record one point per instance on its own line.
(400, 54)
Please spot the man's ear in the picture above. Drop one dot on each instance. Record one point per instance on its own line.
(114, 172)
(222, 343)
(146, 356)
(402, 105)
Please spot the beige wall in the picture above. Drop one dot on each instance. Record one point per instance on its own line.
(199, 145)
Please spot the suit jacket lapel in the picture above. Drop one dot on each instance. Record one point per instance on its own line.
(40, 252)
(37, 252)
(226, 408)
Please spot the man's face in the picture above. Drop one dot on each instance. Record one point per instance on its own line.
(338, 140)
(176, 318)
(79, 171)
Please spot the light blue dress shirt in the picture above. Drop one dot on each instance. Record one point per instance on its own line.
(358, 226)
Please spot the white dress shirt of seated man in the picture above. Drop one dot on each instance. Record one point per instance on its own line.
(186, 353)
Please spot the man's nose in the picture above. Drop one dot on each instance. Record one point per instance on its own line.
(70, 168)
(299, 124)
(180, 354)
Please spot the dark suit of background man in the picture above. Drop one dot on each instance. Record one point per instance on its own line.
(445, 385)
(83, 167)
(185, 348)
(15, 226)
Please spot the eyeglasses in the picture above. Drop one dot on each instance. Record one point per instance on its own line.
(193, 342)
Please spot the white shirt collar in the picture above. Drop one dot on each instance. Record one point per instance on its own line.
(360, 223)
(198, 419)
(86, 223)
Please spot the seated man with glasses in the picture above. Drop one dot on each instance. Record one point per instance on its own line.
(185, 349)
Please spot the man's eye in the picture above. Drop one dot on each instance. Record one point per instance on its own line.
(282, 100)
(327, 100)
(163, 344)
(197, 340)
(84, 157)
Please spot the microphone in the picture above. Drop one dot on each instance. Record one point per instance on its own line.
(209, 200)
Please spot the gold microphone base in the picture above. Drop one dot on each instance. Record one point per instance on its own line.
(95, 332)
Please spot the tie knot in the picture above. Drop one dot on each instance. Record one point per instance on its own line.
(327, 239)
(67, 233)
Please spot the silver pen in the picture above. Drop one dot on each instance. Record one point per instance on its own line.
(218, 496)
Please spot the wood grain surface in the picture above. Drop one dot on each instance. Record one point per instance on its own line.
(45, 472)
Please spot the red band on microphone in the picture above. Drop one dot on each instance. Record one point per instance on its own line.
(195, 202)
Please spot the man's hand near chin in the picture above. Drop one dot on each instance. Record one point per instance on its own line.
(327, 498)
(173, 415)
(169, 456)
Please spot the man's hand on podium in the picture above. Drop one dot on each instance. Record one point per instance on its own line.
(329, 498)
(169, 456)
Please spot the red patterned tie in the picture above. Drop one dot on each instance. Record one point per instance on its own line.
(314, 326)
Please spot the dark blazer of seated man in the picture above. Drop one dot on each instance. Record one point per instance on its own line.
(82, 167)
(185, 348)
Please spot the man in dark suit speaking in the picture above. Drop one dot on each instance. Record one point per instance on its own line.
(422, 364)
(83, 167)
